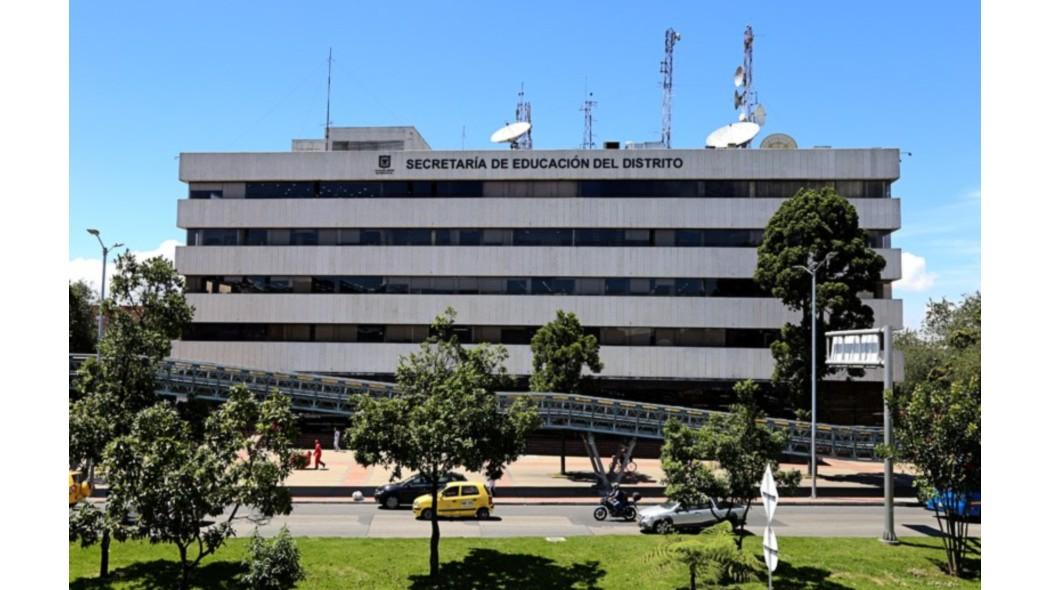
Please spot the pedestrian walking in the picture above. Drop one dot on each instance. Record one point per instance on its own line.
(490, 485)
(335, 442)
(317, 455)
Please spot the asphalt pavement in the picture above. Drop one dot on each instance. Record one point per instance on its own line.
(368, 520)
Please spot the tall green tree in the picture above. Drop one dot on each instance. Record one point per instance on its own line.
(446, 416)
(937, 428)
(808, 227)
(560, 350)
(175, 484)
(146, 310)
(937, 413)
(947, 348)
(82, 329)
(740, 444)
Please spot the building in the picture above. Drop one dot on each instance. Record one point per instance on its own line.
(335, 261)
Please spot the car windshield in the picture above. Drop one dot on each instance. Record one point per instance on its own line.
(669, 505)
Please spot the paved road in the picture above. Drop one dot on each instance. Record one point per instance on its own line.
(367, 520)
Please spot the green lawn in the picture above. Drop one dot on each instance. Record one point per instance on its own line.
(528, 563)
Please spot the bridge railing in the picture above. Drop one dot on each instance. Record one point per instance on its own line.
(331, 395)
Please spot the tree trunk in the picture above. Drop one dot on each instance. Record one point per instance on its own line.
(103, 564)
(184, 569)
(435, 532)
(692, 577)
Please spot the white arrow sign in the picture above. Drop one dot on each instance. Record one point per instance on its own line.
(769, 549)
(770, 497)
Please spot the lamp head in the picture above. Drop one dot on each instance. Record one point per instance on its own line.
(93, 232)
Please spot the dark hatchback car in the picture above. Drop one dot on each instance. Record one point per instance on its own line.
(402, 493)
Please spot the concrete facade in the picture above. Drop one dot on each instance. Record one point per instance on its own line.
(522, 189)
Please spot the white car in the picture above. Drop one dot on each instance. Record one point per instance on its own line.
(672, 516)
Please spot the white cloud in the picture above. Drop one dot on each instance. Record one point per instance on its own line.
(90, 269)
(914, 276)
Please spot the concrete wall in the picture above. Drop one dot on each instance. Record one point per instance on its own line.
(881, 214)
(512, 310)
(727, 164)
(495, 261)
(619, 361)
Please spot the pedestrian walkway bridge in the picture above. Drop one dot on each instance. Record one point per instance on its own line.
(317, 394)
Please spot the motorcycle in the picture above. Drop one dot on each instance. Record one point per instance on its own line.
(627, 510)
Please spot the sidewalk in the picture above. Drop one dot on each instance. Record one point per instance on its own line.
(536, 479)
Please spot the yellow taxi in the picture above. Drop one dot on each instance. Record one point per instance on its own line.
(459, 498)
(78, 490)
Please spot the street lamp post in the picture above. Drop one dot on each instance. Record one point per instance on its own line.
(812, 269)
(102, 292)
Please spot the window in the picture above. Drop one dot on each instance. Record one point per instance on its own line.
(219, 237)
(303, 237)
(361, 285)
(279, 190)
(256, 237)
(411, 237)
(370, 333)
(349, 190)
(450, 492)
(727, 189)
(206, 194)
(542, 237)
(470, 490)
(687, 287)
(616, 286)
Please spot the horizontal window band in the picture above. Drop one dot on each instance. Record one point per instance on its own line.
(699, 188)
(415, 285)
(578, 237)
(407, 333)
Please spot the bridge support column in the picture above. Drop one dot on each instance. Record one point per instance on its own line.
(596, 460)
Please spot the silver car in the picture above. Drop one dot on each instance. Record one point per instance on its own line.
(672, 516)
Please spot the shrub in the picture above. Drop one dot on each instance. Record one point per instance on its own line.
(272, 564)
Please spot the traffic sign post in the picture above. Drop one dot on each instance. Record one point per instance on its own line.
(870, 349)
(770, 497)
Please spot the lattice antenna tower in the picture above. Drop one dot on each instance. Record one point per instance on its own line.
(328, 105)
(588, 119)
(523, 113)
(746, 99)
(667, 68)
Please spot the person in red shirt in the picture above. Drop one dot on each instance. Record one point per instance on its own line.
(317, 455)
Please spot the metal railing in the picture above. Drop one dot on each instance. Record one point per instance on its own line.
(320, 394)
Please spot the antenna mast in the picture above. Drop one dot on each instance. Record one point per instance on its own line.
(588, 106)
(666, 67)
(328, 105)
(523, 112)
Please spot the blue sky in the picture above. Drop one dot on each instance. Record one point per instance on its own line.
(150, 80)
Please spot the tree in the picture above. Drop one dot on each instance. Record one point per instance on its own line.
(176, 485)
(947, 348)
(938, 415)
(740, 444)
(146, 311)
(809, 226)
(82, 331)
(560, 349)
(446, 416)
(938, 430)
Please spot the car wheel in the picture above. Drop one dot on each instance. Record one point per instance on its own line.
(391, 502)
(425, 514)
(600, 513)
(483, 514)
(664, 527)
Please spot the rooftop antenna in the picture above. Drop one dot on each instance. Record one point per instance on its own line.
(745, 100)
(666, 67)
(328, 105)
(523, 114)
(588, 106)
(463, 139)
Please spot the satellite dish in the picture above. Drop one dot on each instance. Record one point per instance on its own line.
(738, 77)
(510, 132)
(733, 135)
(760, 115)
(738, 99)
(779, 141)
